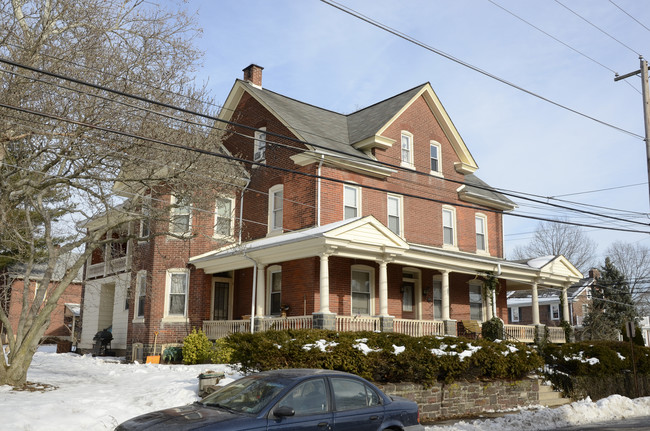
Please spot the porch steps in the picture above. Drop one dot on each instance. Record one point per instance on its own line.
(549, 397)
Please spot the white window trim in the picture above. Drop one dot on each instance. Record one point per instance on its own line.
(512, 315)
(436, 278)
(400, 201)
(215, 234)
(407, 163)
(272, 191)
(230, 295)
(173, 201)
(454, 226)
(256, 145)
(557, 307)
(482, 217)
(479, 283)
(136, 302)
(417, 290)
(146, 212)
(437, 173)
(370, 270)
(357, 191)
(269, 279)
(168, 279)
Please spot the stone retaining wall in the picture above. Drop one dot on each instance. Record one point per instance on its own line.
(461, 399)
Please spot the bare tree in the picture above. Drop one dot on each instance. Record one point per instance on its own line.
(557, 238)
(633, 260)
(77, 161)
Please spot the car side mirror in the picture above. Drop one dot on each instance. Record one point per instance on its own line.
(283, 411)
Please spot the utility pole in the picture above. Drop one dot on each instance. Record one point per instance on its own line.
(645, 92)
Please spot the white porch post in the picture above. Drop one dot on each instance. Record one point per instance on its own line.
(261, 290)
(535, 304)
(565, 304)
(383, 289)
(488, 307)
(324, 284)
(445, 296)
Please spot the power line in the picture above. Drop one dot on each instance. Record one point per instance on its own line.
(595, 26)
(414, 41)
(626, 13)
(184, 110)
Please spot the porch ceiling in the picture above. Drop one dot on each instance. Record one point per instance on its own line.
(366, 238)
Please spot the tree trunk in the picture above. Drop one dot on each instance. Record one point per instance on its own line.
(15, 374)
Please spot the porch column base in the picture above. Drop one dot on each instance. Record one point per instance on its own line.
(324, 321)
(257, 324)
(451, 328)
(386, 324)
(540, 333)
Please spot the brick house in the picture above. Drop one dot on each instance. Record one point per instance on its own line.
(373, 220)
(578, 298)
(64, 320)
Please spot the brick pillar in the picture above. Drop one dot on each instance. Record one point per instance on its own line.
(324, 321)
(451, 327)
(386, 323)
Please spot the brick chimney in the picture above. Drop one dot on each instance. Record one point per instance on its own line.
(594, 273)
(253, 74)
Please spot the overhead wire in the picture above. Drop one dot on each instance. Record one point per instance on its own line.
(630, 15)
(414, 41)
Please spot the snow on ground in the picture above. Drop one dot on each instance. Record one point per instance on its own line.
(99, 393)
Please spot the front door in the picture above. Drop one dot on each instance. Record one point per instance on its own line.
(221, 295)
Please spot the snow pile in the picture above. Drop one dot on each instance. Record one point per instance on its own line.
(442, 351)
(98, 393)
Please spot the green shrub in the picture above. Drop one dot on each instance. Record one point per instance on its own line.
(221, 352)
(492, 329)
(197, 348)
(382, 357)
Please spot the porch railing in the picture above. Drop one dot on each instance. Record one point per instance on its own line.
(293, 322)
(418, 328)
(357, 323)
(104, 269)
(556, 334)
(215, 329)
(523, 333)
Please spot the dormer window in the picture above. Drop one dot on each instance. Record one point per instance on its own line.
(407, 149)
(259, 150)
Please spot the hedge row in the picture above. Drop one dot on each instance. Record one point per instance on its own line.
(383, 357)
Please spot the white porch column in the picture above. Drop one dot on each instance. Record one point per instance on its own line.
(445, 296)
(261, 290)
(565, 304)
(324, 284)
(535, 304)
(489, 305)
(383, 289)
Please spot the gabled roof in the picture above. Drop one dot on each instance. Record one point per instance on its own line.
(523, 298)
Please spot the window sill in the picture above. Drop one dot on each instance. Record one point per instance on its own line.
(175, 319)
(436, 174)
(407, 165)
(138, 320)
(449, 247)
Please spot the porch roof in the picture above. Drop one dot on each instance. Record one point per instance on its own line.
(366, 238)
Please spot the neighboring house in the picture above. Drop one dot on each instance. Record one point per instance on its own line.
(644, 326)
(65, 317)
(549, 304)
(373, 220)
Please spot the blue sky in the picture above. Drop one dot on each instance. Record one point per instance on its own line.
(317, 54)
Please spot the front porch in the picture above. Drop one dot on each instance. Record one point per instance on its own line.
(215, 329)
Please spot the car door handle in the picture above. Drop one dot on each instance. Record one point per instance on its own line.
(323, 424)
(374, 418)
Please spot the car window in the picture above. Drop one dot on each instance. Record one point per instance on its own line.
(352, 394)
(307, 398)
(246, 395)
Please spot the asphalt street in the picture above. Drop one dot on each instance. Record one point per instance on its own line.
(642, 424)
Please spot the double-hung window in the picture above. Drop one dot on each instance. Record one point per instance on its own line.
(177, 292)
(437, 298)
(514, 314)
(448, 226)
(275, 282)
(181, 211)
(350, 202)
(259, 147)
(481, 235)
(223, 224)
(141, 292)
(434, 157)
(407, 149)
(395, 214)
(475, 301)
(276, 203)
(555, 311)
(361, 291)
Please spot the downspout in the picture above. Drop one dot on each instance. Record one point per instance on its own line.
(241, 210)
(254, 292)
(320, 164)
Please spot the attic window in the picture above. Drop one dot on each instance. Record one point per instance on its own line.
(407, 149)
(259, 149)
(434, 157)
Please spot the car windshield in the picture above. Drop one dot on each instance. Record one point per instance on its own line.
(246, 395)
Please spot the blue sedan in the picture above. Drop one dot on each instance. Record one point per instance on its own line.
(294, 399)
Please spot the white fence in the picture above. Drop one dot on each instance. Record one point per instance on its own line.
(357, 323)
(418, 328)
(523, 333)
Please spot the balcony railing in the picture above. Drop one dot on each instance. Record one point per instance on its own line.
(104, 269)
(418, 328)
(357, 323)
